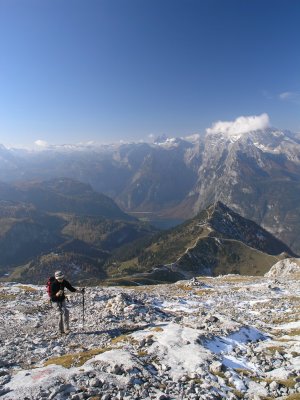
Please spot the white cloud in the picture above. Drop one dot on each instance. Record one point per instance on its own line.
(41, 143)
(288, 95)
(193, 137)
(285, 95)
(240, 125)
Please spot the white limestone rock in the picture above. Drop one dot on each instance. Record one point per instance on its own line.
(286, 267)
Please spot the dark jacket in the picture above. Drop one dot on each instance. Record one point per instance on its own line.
(57, 286)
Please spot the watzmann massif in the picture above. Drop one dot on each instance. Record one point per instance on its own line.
(71, 204)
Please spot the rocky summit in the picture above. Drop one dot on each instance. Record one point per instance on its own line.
(226, 337)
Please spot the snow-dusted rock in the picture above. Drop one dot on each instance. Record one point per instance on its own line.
(181, 341)
(285, 267)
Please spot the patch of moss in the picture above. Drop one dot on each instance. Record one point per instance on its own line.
(124, 338)
(294, 298)
(204, 292)
(75, 360)
(7, 296)
(240, 278)
(273, 349)
(196, 381)
(288, 383)
(221, 375)
(244, 372)
(266, 398)
(294, 332)
(286, 332)
(283, 340)
(142, 353)
(238, 394)
(27, 288)
(157, 329)
(295, 396)
(184, 287)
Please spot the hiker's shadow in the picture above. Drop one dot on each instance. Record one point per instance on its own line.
(111, 332)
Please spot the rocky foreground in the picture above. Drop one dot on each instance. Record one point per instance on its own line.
(229, 337)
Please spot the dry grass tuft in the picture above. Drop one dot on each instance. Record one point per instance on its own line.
(295, 396)
(184, 287)
(293, 332)
(75, 360)
(27, 288)
(240, 278)
(293, 298)
(273, 349)
(124, 338)
(157, 329)
(7, 296)
(285, 319)
(238, 394)
(142, 353)
(204, 292)
(244, 372)
(288, 383)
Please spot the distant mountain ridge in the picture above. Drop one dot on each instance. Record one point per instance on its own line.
(61, 223)
(62, 195)
(95, 249)
(216, 241)
(256, 173)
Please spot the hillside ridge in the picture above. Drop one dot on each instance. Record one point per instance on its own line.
(216, 241)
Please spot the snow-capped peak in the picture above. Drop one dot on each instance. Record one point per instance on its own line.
(234, 130)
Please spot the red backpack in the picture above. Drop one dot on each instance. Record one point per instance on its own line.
(48, 285)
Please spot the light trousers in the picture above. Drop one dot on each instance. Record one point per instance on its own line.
(64, 314)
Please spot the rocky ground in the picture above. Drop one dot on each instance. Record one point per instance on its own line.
(229, 337)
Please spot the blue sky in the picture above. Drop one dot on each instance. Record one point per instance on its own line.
(109, 70)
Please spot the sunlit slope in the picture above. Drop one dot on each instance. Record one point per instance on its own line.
(217, 241)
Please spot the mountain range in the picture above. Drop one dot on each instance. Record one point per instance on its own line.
(61, 224)
(65, 224)
(217, 241)
(257, 174)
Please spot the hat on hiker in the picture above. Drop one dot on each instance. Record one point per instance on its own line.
(59, 275)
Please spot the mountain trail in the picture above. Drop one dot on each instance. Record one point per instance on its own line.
(207, 338)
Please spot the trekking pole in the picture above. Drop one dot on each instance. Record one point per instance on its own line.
(61, 322)
(82, 291)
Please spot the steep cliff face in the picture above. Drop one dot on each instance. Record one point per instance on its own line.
(257, 175)
(162, 179)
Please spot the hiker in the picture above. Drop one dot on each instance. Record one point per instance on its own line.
(58, 297)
